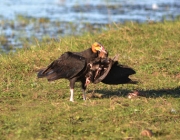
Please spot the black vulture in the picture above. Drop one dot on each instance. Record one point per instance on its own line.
(73, 66)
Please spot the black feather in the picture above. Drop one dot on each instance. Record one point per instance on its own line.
(119, 74)
(67, 66)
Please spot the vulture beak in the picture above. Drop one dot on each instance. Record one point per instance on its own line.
(102, 50)
(98, 47)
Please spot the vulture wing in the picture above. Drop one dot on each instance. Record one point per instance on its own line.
(67, 66)
(119, 74)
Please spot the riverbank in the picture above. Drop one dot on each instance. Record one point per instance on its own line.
(26, 21)
(32, 108)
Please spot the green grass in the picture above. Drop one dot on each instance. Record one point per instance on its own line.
(32, 108)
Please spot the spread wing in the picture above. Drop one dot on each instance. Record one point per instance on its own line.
(67, 66)
(119, 74)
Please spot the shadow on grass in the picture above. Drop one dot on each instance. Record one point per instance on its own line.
(174, 92)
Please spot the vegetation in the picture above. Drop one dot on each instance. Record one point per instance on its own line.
(32, 108)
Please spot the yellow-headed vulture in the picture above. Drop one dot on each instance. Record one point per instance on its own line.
(73, 66)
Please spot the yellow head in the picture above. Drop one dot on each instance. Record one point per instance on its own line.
(98, 47)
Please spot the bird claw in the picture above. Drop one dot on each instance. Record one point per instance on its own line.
(71, 100)
(84, 98)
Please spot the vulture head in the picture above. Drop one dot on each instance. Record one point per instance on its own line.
(98, 48)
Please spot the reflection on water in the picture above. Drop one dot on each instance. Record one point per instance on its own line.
(20, 20)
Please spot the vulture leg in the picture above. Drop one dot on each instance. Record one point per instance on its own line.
(84, 94)
(72, 95)
(84, 85)
(72, 83)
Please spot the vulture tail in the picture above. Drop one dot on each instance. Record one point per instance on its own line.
(49, 73)
(40, 74)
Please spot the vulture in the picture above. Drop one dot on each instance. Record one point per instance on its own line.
(73, 66)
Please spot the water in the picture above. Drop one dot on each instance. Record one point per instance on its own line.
(20, 20)
(92, 11)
